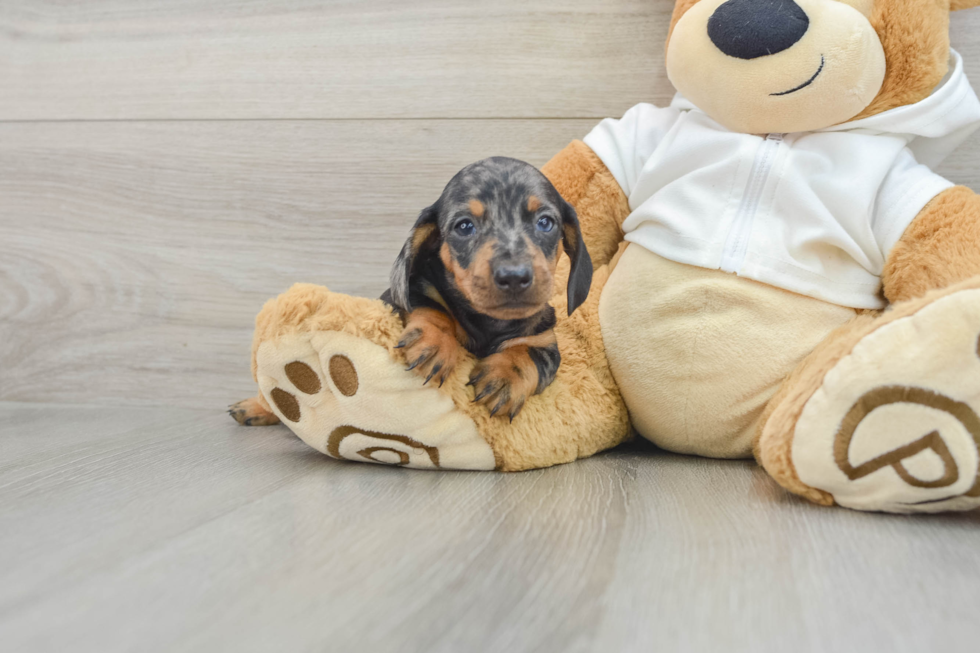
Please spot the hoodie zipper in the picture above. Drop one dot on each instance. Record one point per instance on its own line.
(739, 235)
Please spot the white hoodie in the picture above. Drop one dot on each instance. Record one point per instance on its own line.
(811, 212)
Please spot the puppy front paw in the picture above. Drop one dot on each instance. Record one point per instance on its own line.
(504, 381)
(430, 345)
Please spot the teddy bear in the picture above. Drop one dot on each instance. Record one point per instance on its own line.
(777, 273)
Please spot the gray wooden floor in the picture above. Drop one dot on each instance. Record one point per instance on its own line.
(166, 167)
(148, 529)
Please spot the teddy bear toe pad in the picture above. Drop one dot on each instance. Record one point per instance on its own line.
(346, 397)
(895, 425)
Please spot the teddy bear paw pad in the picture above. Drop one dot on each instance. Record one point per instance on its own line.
(348, 398)
(895, 425)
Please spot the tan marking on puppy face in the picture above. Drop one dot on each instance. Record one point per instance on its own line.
(476, 282)
(536, 297)
(445, 256)
(533, 203)
(544, 275)
(477, 208)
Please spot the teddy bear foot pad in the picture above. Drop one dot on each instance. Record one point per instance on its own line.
(894, 426)
(346, 397)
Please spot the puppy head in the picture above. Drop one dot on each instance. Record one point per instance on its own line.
(497, 228)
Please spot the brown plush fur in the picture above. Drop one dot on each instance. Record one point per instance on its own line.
(585, 183)
(915, 36)
(307, 307)
(940, 248)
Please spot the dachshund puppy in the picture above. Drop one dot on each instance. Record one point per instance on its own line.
(478, 271)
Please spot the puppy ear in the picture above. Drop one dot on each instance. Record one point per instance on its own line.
(580, 277)
(424, 235)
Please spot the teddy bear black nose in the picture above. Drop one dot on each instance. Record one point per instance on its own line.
(748, 29)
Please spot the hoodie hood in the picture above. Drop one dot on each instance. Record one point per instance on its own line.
(933, 127)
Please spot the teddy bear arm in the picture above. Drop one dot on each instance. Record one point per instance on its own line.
(588, 185)
(940, 248)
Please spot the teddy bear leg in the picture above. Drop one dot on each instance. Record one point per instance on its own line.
(883, 416)
(326, 367)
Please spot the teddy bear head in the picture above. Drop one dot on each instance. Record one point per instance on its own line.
(765, 66)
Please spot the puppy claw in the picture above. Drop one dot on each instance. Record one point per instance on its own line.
(500, 404)
(515, 410)
(435, 370)
(426, 355)
(487, 390)
(409, 337)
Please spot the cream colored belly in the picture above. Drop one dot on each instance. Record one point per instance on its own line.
(698, 353)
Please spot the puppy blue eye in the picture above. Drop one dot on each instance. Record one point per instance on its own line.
(546, 223)
(465, 228)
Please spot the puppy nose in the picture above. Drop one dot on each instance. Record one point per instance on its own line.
(748, 29)
(513, 277)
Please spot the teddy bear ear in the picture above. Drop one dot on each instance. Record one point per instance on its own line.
(956, 5)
